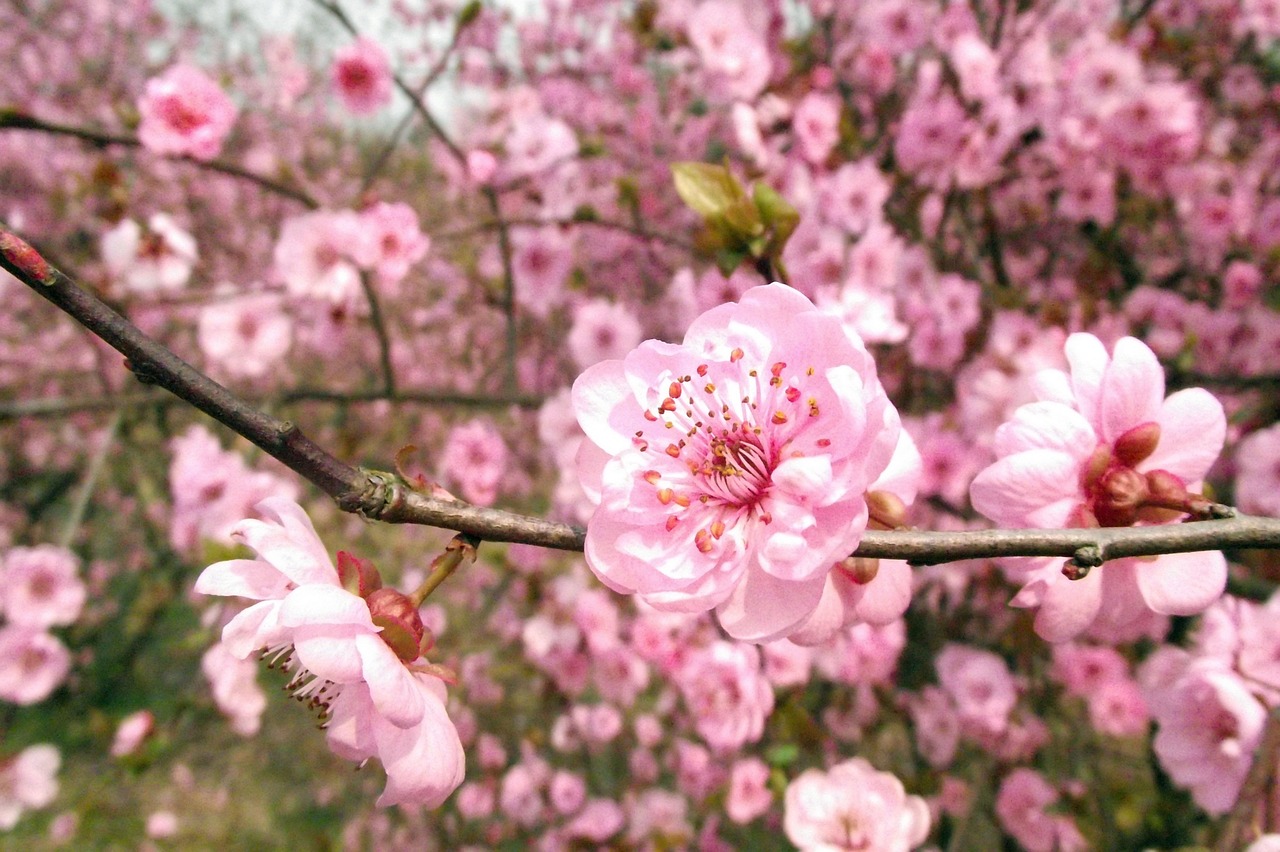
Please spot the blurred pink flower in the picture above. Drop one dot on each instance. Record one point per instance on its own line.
(749, 794)
(1022, 805)
(726, 693)
(602, 329)
(1104, 447)
(852, 806)
(315, 256)
(731, 469)
(393, 241)
(234, 684)
(475, 457)
(131, 732)
(32, 664)
(361, 77)
(247, 335)
(735, 55)
(152, 260)
(185, 112)
(28, 781)
(40, 586)
(980, 684)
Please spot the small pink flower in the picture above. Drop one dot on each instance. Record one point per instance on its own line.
(731, 469)
(32, 664)
(1021, 806)
(602, 329)
(749, 795)
(851, 807)
(185, 112)
(726, 693)
(149, 261)
(40, 586)
(315, 256)
(361, 77)
(393, 241)
(816, 124)
(28, 781)
(729, 49)
(132, 732)
(981, 686)
(475, 457)
(247, 335)
(1104, 447)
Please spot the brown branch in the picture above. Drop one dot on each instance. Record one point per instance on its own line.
(14, 120)
(569, 222)
(381, 496)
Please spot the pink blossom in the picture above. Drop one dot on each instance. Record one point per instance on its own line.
(567, 792)
(40, 586)
(185, 113)
(852, 806)
(749, 795)
(393, 241)
(1209, 728)
(132, 732)
(854, 195)
(1082, 669)
(937, 730)
(475, 457)
(863, 654)
(598, 820)
(782, 427)
(729, 49)
(980, 684)
(541, 261)
(361, 77)
(353, 669)
(1117, 708)
(1258, 472)
(149, 261)
(816, 124)
(1104, 447)
(32, 664)
(315, 255)
(1021, 806)
(875, 591)
(726, 693)
(28, 781)
(602, 329)
(234, 684)
(247, 335)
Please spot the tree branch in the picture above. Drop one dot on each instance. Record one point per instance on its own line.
(14, 120)
(381, 496)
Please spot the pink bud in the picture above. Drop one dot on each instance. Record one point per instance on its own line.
(358, 576)
(1138, 443)
(401, 624)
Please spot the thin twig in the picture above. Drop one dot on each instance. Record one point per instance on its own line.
(13, 120)
(80, 504)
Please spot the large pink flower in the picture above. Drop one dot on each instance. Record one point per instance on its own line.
(731, 469)
(1104, 447)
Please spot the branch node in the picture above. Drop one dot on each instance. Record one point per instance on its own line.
(381, 495)
(1087, 557)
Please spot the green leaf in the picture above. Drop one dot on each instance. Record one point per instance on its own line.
(708, 190)
(776, 213)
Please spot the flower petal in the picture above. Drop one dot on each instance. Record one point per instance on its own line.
(1192, 430)
(1183, 583)
(763, 607)
(392, 687)
(1132, 389)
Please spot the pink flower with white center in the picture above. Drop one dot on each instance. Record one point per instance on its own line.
(475, 457)
(32, 664)
(853, 807)
(393, 241)
(245, 336)
(353, 648)
(361, 77)
(749, 794)
(151, 260)
(28, 781)
(602, 329)
(1104, 447)
(40, 586)
(726, 693)
(185, 113)
(731, 469)
(315, 256)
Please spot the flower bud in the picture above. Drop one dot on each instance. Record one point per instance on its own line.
(1122, 492)
(887, 511)
(1138, 443)
(860, 570)
(1095, 467)
(402, 627)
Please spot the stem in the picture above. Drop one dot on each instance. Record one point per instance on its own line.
(96, 463)
(462, 546)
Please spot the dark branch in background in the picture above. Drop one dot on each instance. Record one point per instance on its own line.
(14, 120)
(381, 496)
(59, 406)
(569, 222)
